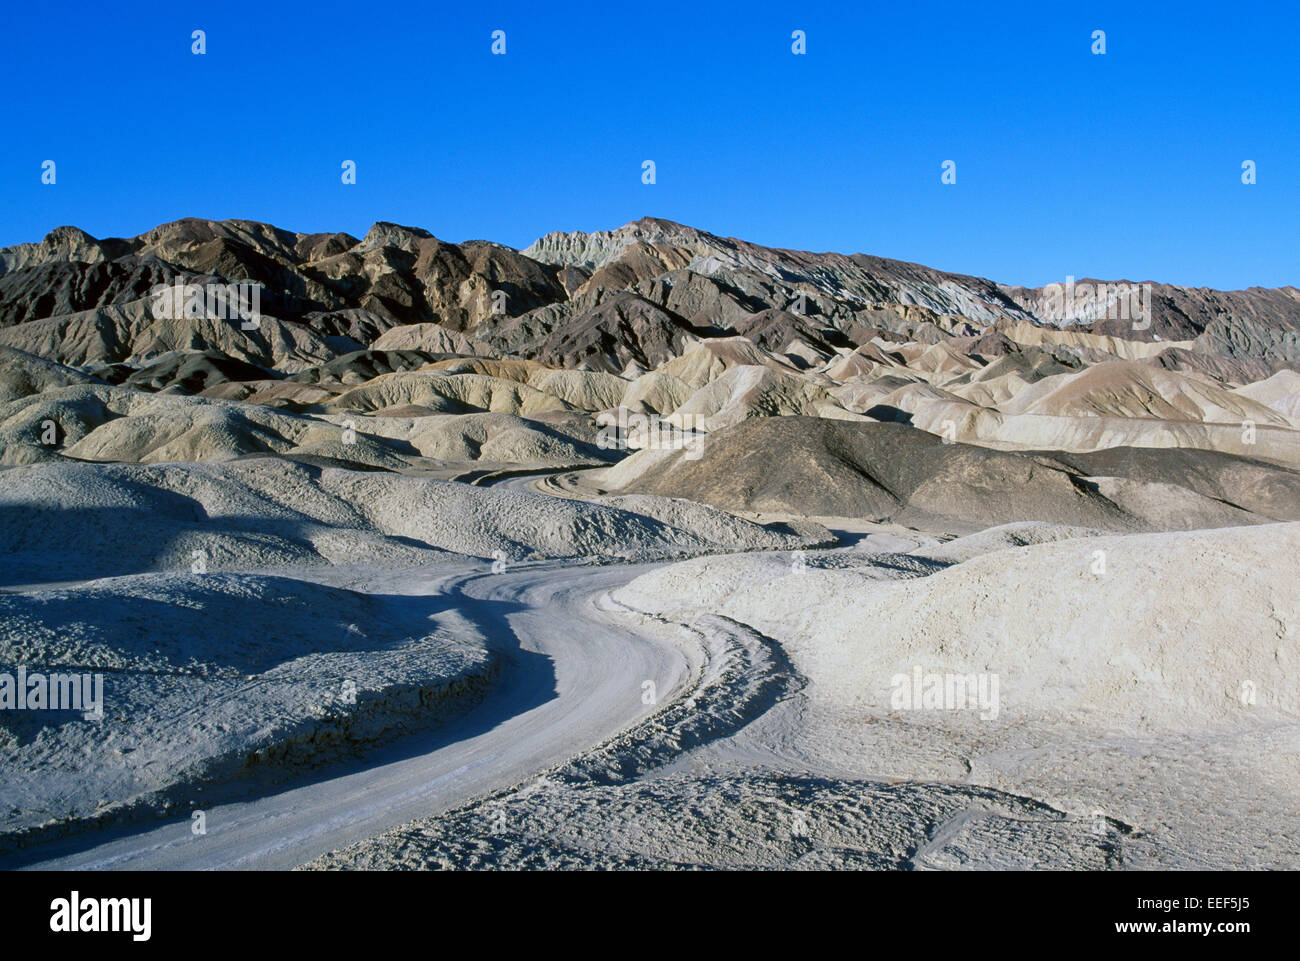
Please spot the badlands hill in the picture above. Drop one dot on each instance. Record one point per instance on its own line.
(653, 318)
(401, 352)
(829, 468)
(440, 475)
(638, 292)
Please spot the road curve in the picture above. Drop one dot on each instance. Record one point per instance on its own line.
(571, 680)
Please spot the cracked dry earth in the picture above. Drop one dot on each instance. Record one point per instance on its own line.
(660, 796)
(753, 820)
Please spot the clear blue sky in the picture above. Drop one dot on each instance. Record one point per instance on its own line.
(1123, 166)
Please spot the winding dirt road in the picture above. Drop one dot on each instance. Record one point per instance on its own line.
(572, 677)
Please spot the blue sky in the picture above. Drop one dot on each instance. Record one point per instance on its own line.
(1122, 166)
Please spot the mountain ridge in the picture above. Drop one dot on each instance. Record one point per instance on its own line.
(603, 299)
